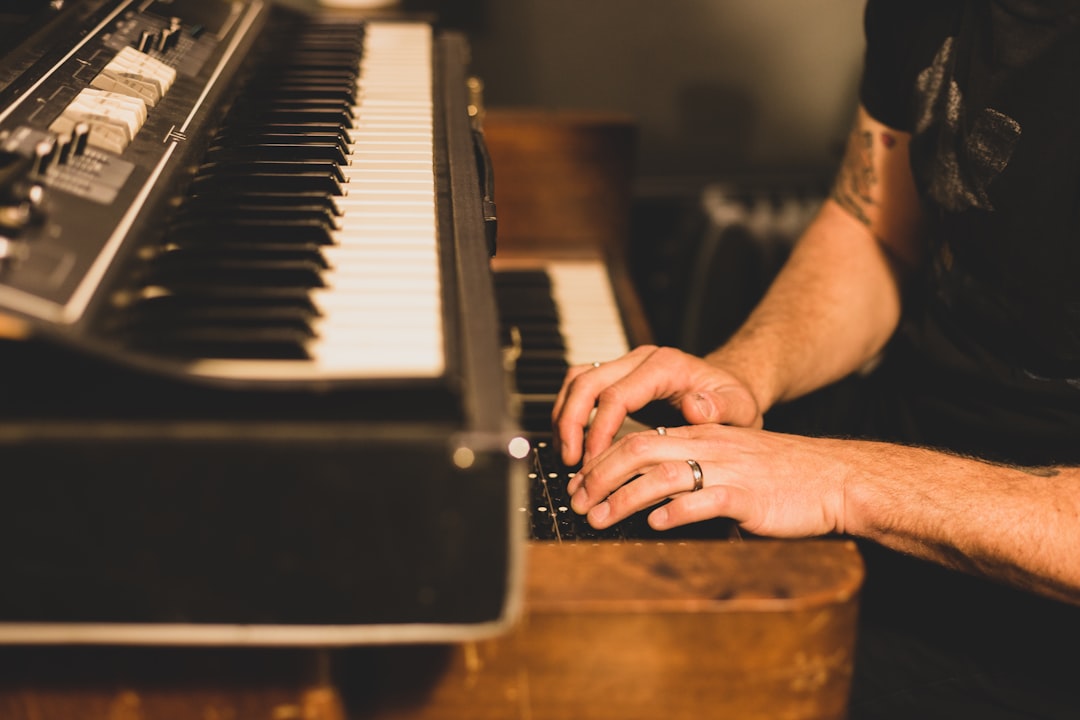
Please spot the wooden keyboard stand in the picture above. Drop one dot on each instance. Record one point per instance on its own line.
(620, 631)
(758, 629)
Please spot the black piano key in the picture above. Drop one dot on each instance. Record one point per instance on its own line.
(522, 278)
(541, 337)
(216, 209)
(250, 230)
(171, 271)
(155, 298)
(211, 296)
(316, 110)
(268, 182)
(325, 57)
(276, 167)
(538, 329)
(340, 82)
(525, 294)
(295, 115)
(534, 415)
(239, 131)
(237, 251)
(322, 34)
(288, 89)
(279, 148)
(240, 342)
(525, 302)
(317, 62)
(189, 324)
(539, 376)
(162, 320)
(223, 198)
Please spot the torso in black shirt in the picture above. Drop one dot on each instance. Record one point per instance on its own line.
(991, 340)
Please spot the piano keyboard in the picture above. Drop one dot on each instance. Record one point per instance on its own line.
(564, 313)
(588, 312)
(308, 245)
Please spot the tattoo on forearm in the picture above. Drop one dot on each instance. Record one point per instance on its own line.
(855, 182)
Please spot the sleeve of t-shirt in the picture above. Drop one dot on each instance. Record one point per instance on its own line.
(891, 27)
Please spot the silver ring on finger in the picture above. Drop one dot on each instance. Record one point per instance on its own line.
(596, 363)
(699, 477)
(661, 430)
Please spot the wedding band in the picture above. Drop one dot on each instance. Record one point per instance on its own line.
(596, 363)
(661, 430)
(699, 478)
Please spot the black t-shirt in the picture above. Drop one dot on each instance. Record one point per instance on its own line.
(987, 360)
(990, 91)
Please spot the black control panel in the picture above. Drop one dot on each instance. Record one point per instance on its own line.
(92, 139)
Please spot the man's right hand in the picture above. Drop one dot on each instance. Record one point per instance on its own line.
(702, 392)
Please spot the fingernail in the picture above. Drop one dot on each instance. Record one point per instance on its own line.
(600, 512)
(659, 516)
(579, 500)
(705, 406)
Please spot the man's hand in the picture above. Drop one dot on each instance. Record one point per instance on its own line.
(940, 507)
(702, 392)
(770, 483)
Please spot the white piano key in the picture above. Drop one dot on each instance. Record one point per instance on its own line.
(384, 174)
(590, 321)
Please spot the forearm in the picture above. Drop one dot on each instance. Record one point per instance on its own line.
(1018, 525)
(830, 310)
(837, 299)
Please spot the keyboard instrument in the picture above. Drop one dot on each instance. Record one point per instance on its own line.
(553, 314)
(253, 383)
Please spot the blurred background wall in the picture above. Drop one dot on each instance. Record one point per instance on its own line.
(719, 88)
